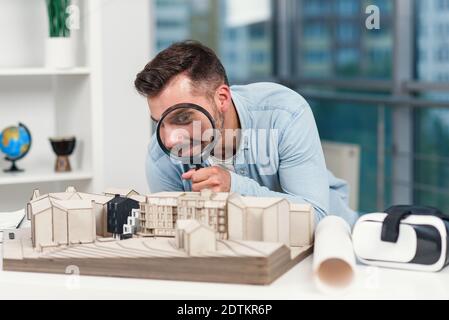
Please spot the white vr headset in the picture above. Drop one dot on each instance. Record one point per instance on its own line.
(406, 237)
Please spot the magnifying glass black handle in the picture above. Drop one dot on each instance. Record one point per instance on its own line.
(188, 168)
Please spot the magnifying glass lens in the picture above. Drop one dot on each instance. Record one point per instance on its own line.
(186, 132)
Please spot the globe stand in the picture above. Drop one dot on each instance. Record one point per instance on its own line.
(13, 168)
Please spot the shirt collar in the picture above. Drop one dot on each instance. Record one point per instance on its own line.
(245, 123)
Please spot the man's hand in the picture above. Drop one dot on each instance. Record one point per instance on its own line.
(214, 178)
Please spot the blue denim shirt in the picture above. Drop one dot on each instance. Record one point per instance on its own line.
(280, 154)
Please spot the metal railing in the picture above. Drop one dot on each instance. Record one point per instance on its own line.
(376, 99)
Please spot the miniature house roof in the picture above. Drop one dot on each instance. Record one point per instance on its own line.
(97, 198)
(138, 198)
(210, 200)
(182, 224)
(221, 196)
(40, 205)
(166, 195)
(36, 194)
(65, 196)
(120, 200)
(164, 198)
(122, 192)
(190, 226)
(206, 195)
(253, 202)
(46, 203)
(45, 196)
(54, 196)
(67, 205)
(70, 190)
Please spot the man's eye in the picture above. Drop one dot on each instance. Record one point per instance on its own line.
(183, 119)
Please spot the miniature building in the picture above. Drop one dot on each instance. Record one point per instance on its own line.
(74, 220)
(58, 217)
(158, 215)
(207, 207)
(61, 222)
(101, 212)
(259, 219)
(36, 194)
(51, 196)
(100, 207)
(302, 225)
(119, 209)
(162, 210)
(195, 238)
(133, 224)
(133, 195)
(40, 212)
(134, 220)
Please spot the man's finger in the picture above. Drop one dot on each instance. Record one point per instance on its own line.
(208, 184)
(188, 175)
(202, 175)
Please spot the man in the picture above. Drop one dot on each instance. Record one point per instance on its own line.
(277, 152)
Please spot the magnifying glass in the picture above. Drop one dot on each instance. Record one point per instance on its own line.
(187, 133)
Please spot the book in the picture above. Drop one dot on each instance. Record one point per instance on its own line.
(11, 220)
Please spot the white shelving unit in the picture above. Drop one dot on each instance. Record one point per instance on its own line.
(43, 176)
(95, 101)
(8, 72)
(51, 103)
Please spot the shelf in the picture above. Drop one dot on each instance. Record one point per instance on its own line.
(43, 71)
(41, 176)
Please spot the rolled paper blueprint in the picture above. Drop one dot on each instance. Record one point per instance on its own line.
(334, 259)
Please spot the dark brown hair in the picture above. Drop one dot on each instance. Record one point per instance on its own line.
(197, 61)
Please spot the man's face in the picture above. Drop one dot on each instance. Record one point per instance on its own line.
(185, 132)
(179, 90)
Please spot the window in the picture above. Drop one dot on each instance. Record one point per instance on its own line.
(324, 45)
(442, 55)
(442, 5)
(358, 124)
(431, 164)
(347, 7)
(239, 31)
(336, 43)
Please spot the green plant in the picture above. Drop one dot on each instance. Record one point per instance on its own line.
(57, 17)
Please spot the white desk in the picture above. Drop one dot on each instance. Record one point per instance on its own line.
(296, 284)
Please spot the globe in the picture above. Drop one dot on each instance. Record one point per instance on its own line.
(15, 143)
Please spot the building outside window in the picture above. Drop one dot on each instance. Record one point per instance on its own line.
(432, 125)
(242, 40)
(329, 47)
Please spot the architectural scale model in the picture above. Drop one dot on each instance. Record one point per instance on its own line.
(195, 238)
(160, 212)
(205, 236)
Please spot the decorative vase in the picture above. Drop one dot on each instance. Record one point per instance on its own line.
(60, 53)
(63, 147)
